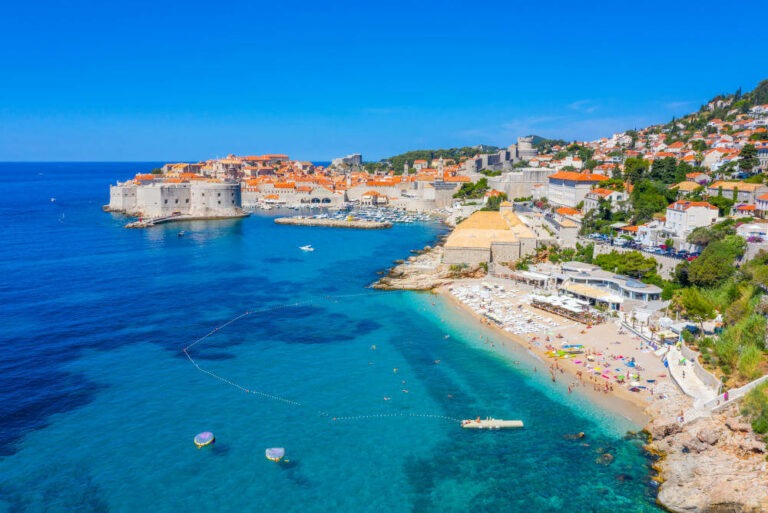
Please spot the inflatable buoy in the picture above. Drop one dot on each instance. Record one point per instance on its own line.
(275, 454)
(204, 438)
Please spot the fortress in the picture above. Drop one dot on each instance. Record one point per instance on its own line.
(503, 160)
(193, 199)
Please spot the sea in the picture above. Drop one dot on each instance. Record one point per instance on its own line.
(119, 345)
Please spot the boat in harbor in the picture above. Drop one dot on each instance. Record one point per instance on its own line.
(308, 247)
(490, 423)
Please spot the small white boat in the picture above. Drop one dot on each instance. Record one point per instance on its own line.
(490, 423)
(308, 247)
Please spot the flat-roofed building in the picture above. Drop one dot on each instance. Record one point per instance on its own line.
(569, 188)
(590, 283)
(490, 237)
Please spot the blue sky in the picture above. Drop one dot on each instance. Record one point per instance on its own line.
(154, 80)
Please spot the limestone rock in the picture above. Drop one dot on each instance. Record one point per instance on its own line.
(752, 446)
(693, 444)
(735, 424)
(708, 436)
(662, 429)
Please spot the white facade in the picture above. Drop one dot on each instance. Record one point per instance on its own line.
(570, 188)
(592, 199)
(684, 216)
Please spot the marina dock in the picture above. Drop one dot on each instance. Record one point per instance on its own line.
(334, 223)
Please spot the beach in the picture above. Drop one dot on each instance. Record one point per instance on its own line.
(608, 347)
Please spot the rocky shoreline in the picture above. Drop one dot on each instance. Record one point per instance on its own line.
(710, 464)
(423, 271)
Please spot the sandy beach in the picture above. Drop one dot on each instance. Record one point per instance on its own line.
(607, 349)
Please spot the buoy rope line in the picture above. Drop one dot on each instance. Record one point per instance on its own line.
(186, 351)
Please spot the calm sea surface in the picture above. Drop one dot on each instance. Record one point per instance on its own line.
(99, 405)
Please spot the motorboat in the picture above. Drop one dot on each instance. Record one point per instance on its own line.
(308, 247)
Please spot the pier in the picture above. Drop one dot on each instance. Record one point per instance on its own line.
(149, 222)
(334, 223)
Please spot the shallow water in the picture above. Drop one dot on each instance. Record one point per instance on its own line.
(99, 405)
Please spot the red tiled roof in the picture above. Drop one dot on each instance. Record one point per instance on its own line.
(574, 176)
(689, 204)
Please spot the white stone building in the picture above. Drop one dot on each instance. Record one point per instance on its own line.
(569, 188)
(684, 216)
(616, 199)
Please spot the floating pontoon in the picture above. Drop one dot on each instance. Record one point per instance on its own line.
(491, 423)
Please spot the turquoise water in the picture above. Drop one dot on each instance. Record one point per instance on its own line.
(99, 405)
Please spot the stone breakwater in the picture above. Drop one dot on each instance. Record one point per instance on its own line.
(424, 271)
(333, 223)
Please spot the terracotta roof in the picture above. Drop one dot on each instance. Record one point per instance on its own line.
(574, 176)
(602, 192)
(685, 205)
(567, 211)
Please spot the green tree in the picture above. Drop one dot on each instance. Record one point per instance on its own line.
(699, 145)
(473, 190)
(664, 170)
(694, 305)
(494, 202)
(716, 262)
(748, 159)
(635, 169)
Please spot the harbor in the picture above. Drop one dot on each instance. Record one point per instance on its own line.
(334, 223)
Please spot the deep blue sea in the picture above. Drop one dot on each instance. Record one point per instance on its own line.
(99, 404)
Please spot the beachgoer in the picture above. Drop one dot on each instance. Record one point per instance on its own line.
(725, 396)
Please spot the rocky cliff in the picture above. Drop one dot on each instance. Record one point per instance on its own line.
(712, 464)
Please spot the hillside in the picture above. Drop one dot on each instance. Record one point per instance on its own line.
(396, 162)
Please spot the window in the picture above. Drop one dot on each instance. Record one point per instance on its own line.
(219, 194)
(219, 202)
(177, 200)
(187, 200)
(166, 202)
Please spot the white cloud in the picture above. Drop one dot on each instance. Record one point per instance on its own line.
(584, 106)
